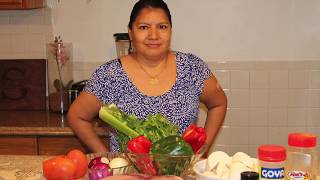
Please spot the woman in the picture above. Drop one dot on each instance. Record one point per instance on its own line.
(152, 79)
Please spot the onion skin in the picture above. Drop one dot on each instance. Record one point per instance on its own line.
(99, 171)
(98, 160)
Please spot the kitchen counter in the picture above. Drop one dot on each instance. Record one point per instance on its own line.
(39, 123)
(21, 167)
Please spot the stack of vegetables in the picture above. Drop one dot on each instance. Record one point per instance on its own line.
(154, 144)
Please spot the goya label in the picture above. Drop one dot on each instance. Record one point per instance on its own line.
(297, 175)
(271, 173)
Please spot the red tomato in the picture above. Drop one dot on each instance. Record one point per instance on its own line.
(80, 161)
(58, 168)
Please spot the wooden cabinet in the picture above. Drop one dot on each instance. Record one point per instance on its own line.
(41, 145)
(21, 4)
(19, 145)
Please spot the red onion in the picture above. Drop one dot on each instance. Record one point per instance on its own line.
(99, 171)
(98, 160)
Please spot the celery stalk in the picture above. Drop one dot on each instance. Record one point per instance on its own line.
(116, 123)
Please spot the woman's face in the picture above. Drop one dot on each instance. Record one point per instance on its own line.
(151, 33)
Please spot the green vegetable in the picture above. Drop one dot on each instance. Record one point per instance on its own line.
(172, 145)
(117, 119)
(172, 155)
(154, 127)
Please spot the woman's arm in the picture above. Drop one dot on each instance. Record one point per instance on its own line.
(80, 114)
(216, 102)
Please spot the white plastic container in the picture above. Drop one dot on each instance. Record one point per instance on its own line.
(272, 160)
(302, 158)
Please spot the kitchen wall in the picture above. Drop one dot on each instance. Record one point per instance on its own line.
(265, 54)
(267, 100)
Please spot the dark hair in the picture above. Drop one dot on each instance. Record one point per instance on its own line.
(141, 4)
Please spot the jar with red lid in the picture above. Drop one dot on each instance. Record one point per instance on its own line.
(272, 160)
(302, 157)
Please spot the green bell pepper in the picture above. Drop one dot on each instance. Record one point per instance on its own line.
(172, 155)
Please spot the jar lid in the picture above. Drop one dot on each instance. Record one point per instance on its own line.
(302, 140)
(272, 153)
(249, 175)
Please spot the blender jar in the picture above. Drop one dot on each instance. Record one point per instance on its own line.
(123, 46)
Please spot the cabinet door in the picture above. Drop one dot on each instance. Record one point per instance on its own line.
(21, 4)
(18, 145)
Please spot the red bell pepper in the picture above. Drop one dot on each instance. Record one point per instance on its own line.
(139, 144)
(195, 136)
(142, 145)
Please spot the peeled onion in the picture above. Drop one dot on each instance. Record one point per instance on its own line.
(118, 162)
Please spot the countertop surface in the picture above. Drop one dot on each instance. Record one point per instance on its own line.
(40, 123)
(21, 167)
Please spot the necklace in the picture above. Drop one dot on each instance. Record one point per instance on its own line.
(153, 79)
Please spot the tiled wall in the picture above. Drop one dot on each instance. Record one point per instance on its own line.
(267, 100)
(24, 34)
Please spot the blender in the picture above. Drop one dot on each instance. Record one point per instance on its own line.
(123, 45)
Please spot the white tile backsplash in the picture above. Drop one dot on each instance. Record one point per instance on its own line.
(313, 117)
(239, 135)
(259, 98)
(314, 79)
(239, 117)
(297, 98)
(314, 98)
(277, 135)
(278, 117)
(297, 117)
(278, 98)
(5, 43)
(279, 79)
(239, 98)
(258, 117)
(20, 43)
(282, 97)
(298, 79)
(258, 135)
(259, 79)
(24, 34)
(239, 79)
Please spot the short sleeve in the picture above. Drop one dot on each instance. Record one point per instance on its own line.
(95, 84)
(200, 71)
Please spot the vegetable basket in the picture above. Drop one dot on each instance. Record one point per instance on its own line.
(165, 164)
